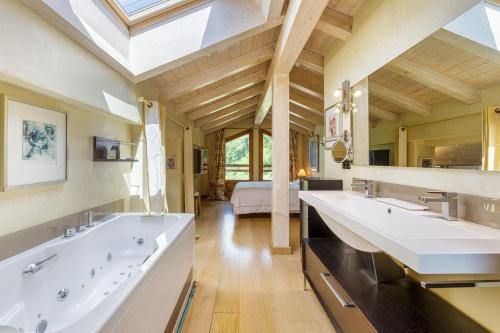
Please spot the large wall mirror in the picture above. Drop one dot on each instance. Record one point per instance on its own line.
(438, 104)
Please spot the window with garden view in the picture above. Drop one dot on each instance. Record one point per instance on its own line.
(238, 157)
(267, 156)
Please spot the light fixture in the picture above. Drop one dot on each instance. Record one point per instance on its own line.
(337, 93)
(302, 173)
(356, 92)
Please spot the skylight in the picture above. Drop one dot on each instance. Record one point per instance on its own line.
(131, 7)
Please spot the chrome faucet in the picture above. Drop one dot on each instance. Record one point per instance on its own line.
(366, 184)
(449, 204)
(35, 267)
(69, 232)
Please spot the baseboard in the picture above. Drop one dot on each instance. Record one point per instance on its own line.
(181, 304)
(281, 250)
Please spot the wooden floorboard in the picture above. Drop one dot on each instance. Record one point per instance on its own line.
(241, 287)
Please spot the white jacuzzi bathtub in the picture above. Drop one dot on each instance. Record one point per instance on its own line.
(123, 275)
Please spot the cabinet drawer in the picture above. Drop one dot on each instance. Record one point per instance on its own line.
(336, 301)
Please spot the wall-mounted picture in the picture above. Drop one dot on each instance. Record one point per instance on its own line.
(425, 162)
(332, 124)
(35, 145)
(204, 161)
(171, 163)
(313, 153)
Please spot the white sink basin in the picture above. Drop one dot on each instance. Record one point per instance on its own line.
(428, 245)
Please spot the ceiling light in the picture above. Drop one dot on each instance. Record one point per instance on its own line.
(356, 93)
(337, 93)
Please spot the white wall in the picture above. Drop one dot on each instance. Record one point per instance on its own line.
(38, 56)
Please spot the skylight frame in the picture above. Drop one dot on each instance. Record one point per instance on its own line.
(147, 12)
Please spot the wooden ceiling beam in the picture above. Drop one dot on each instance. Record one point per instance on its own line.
(224, 103)
(312, 61)
(300, 19)
(220, 92)
(467, 45)
(382, 114)
(399, 99)
(227, 111)
(306, 102)
(294, 127)
(307, 82)
(434, 80)
(302, 123)
(221, 71)
(335, 24)
(300, 112)
(227, 123)
(229, 117)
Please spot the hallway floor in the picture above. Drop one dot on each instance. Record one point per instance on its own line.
(241, 287)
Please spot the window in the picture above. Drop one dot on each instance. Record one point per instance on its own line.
(239, 156)
(131, 7)
(266, 155)
(134, 11)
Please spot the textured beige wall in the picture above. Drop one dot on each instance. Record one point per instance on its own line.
(89, 184)
(385, 29)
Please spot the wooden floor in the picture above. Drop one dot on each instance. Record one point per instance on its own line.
(241, 287)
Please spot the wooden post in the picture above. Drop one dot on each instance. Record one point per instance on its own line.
(188, 171)
(280, 124)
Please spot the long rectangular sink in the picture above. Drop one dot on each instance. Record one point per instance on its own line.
(424, 242)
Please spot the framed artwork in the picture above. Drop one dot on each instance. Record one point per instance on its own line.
(204, 161)
(171, 163)
(425, 162)
(333, 120)
(313, 153)
(35, 145)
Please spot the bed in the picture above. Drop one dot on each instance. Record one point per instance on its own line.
(255, 197)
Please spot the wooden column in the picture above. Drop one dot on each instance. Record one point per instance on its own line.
(188, 171)
(280, 125)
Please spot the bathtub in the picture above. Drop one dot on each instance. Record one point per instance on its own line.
(128, 274)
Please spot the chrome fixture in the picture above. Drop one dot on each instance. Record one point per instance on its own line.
(366, 184)
(35, 267)
(90, 218)
(140, 241)
(460, 284)
(80, 228)
(449, 203)
(69, 232)
(42, 325)
(62, 294)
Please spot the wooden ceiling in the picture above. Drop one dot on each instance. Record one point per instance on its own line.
(226, 85)
(441, 67)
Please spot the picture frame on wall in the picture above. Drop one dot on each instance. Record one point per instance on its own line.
(35, 145)
(313, 153)
(171, 163)
(333, 125)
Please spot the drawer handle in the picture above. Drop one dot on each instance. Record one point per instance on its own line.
(335, 292)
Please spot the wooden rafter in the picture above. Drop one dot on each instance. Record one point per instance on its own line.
(226, 124)
(399, 99)
(307, 82)
(335, 24)
(468, 45)
(302, 123)
(227, 111)
(382, 114)
(224, 103)
(309, 103)
(222, 91)
(300, 19)
(437, 81)
(223, 70)
(300, 112)
(227, 118)
(312, 61)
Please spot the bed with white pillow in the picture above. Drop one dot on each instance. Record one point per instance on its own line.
(256, 197)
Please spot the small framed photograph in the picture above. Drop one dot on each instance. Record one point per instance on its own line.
(333, 126)
(35, 145)
(171, 163)
(425, 162)
(313, 153)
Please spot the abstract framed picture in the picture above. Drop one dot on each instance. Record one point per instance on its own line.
(313, 153)
(333, 120)
(35, 145)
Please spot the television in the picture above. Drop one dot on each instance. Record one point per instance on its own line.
(200, 160)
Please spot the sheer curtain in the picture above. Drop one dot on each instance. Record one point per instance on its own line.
(294, 152)
(216, 170)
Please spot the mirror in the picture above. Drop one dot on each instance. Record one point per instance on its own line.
(437, 105)
(340, 151)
